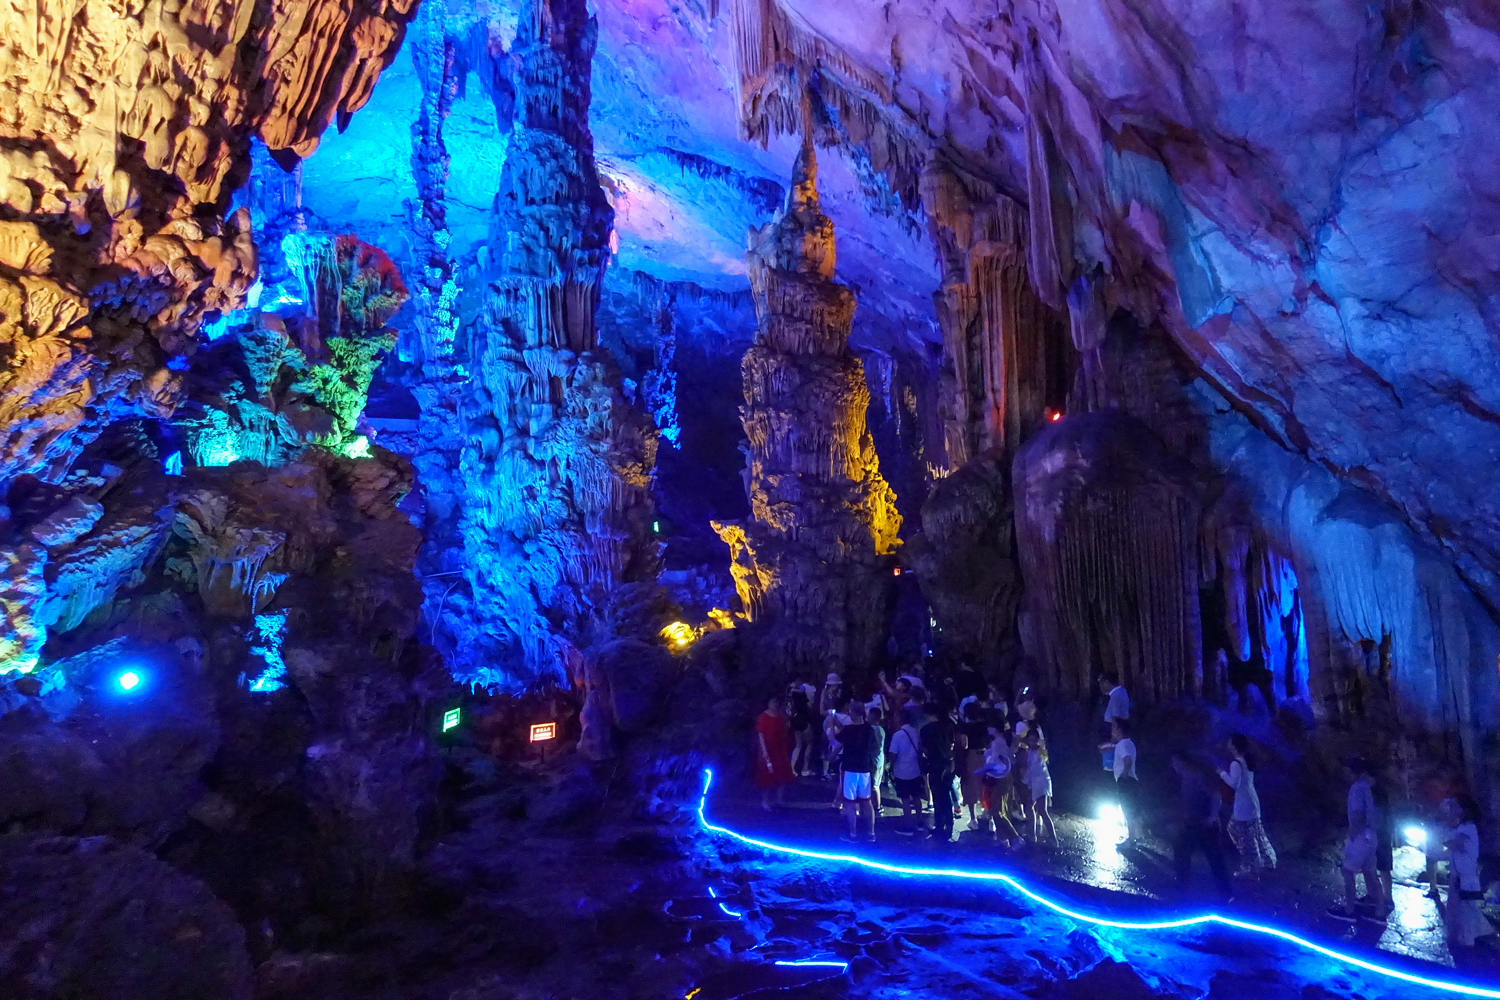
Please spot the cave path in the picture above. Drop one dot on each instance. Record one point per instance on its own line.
(1377, 970)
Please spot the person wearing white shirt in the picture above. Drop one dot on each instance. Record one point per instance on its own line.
(1118, 706)
(1245, 827)
(905, 762)
(1127, 785)
(1464, 918)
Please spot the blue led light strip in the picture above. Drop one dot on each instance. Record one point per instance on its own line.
(1128, 925)
(726, 909)
(815, 965)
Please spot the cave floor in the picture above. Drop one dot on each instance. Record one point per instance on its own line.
(1296, 894)
(1087, 868)
(543, 890)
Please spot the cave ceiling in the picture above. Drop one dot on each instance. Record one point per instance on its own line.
(1299, 195)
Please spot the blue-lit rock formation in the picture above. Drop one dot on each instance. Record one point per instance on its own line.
(809, 564)
(548, 464)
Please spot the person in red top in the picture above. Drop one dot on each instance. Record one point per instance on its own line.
(773, 754)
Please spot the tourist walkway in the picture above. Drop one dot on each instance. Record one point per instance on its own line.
(1087, 868)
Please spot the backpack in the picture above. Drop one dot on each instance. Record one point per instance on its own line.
(937, 746)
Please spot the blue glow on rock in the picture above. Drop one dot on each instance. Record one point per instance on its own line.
(172, 464)
(271, 628)
(1180, 923)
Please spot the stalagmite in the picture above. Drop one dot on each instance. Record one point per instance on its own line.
(556, 466)
(808, 565)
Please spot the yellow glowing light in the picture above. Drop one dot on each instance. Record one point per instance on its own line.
(679, 634)
(721, 617)
(696, 991)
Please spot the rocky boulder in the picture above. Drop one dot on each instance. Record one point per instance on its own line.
(94, 918)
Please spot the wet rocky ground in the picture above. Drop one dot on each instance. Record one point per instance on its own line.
(569, 881)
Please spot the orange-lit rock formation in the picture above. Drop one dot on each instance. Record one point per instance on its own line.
(808, 565)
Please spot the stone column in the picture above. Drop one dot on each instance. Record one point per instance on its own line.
(556, 466)
(808, 565)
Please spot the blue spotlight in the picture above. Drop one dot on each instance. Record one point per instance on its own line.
(128, 681)
(1445, 985)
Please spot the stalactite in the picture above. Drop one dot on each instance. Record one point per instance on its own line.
(1107, 532)
(777, 56)
(808, 566)
(1008, 352)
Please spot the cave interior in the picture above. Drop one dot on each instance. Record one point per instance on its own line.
(382, 380)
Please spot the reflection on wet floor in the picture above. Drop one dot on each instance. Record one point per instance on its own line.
(1087, 854)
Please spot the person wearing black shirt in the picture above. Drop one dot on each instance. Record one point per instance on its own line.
(861, 743)
(937, 738)
(1199, 829)
(802, 729)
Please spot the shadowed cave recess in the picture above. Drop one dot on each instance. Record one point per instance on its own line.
(383, 380)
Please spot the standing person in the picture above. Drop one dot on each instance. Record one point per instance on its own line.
(861, 747)
(1465, 920)
(1117, 705)
(937, 738)
(997, 701)
(971, 783)
(833, 728)
(1037, 774)
(968, 683)
(1361, 847)
(1245, 827)
(773, 754)
(906, 770)
(874, 716)
(1199, 829)
(801, 717)
(999, 779)
(828, 702)
(1127, 785)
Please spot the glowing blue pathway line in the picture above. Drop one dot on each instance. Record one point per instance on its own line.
(1128, 925)
(815, 965)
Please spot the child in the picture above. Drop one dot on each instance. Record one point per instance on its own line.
(1037, 775)
(976, 732)
(1466, 922)
(998, 779)
(802, 728)
(837, 719)
(875, 717)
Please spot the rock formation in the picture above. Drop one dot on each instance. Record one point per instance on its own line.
(1007, 358)
(809, 565)
(1107, 533)
(556, 464)
(965, 559)
(125, 133)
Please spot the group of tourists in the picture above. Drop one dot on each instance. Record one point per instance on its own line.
(944, 747)
(957, 746)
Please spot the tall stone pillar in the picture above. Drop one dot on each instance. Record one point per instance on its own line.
(809, 564)
(556, 465)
